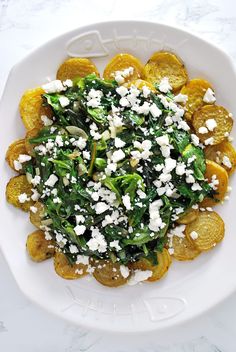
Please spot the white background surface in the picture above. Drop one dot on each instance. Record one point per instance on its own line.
(25, 25)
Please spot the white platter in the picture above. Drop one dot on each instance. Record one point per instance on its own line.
(190, 288)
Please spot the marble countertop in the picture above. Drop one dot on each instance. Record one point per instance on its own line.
(25, 25)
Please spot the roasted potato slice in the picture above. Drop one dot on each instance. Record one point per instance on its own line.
(17, 186)
(29, 146)
(38, 247)
(206, 231)
(31, 108)
(76, 67)
(222, 118)
(108, 273)
(13, 152)
(140, 83)
(119, 63)
(67, 271)
(36, 217)
(195, 89)
(184, 249)
(188, 216)
(215, 170)
(219, 152)
(165, 64)
(159, 270)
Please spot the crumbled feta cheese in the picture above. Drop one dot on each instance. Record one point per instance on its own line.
(141, 194)
(124, 270)
(171, 251)
(118, 155)
(181, 98)
(35, 196)
(79, 219)
(126, 202)
(214, 182)
(180, 169)
(17, 165)
(146, 91)
(68, 83)
(119, 143)
(155, 111)
(194, 235)
(101, 207)
(164, 85)
(209, 96)
(73, 249)
(211, 124)
(97, 242)
(53, 86)
(23, 198)
(195, 139)
(202, 130)
(51, 181)
(196, 187)
(139, 276)
(115, 244)
(35, 180)
(122, 91)
(82, 259)
(86, 155)
(23, 158)
(33, 209)
(79, 229)
(80, 143)
(209, 141)
(163, 140)
(46, 121)
(226, 162)
(64, 101)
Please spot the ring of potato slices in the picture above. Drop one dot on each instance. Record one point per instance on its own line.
(201, 227)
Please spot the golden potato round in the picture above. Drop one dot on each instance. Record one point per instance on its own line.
(108, 273)
(184, 249)
(76, 67)
(29, 146)
(188, 216)
(219, 151)
(159, 270)
(38, 247)
(13, 152)
(67, 271)
(31, 108)
(195, 89)
(165, 64)
(36, 218)
(140, 83)
(222, 118)
(17, 186)
(213, 168)
(120, 62)
(209, 228)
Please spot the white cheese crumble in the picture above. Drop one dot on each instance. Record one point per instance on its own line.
(211, 124)
(101, 207)
(33, 209)
(23, 198)
(119, 143)
(64, 101)
(194, 235)
(51, 181)
(46, 121)
(82, 259)
(181, 98)
(118, 155)
(115, 244)
(202, 130)
(139, 276)
(164, 85)
(79, 229)
(209, 141)
(97, 242)
(53, 87)
(124, 270)
(126, 202)
(209, 96)
(226, 162)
